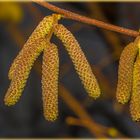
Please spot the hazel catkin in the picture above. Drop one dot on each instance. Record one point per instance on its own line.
(41, 31)
(22, 71)
(50, 69)
(135, 97)
(79, 60)
(125, 72)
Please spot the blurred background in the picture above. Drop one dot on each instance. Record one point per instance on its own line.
(79, 115)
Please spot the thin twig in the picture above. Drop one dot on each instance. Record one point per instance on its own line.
(84, 19)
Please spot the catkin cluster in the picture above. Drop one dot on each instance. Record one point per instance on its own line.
(128, 86)
(38, 42)
(21, 67)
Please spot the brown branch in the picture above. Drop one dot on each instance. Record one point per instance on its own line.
(84, 19)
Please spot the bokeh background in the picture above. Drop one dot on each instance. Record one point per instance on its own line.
(79, 115)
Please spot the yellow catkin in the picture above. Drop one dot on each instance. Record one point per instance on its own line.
(125, 73)
(135, 98)
(22, 71)
(50, 68)
(79, 60)
(41, 31)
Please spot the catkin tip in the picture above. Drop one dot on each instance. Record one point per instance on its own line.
(9, 101)
(50, 118)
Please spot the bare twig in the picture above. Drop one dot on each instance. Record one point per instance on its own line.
(84, 19)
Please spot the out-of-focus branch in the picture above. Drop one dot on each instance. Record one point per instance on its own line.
(84, 19)
(108, 131)
(83, 123)
(77, 108)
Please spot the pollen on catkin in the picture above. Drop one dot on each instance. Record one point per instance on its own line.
(50, 69)
(125, 73)
(135, 97)
(41, 31)
(22, 71)
(79, 60)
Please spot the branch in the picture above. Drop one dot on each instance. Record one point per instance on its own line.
(84, 19)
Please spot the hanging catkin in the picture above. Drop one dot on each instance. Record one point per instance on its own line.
(50, 69)
(22, 71)
(125, 73)
(41, 31)
(135, 98)
(79, 60)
